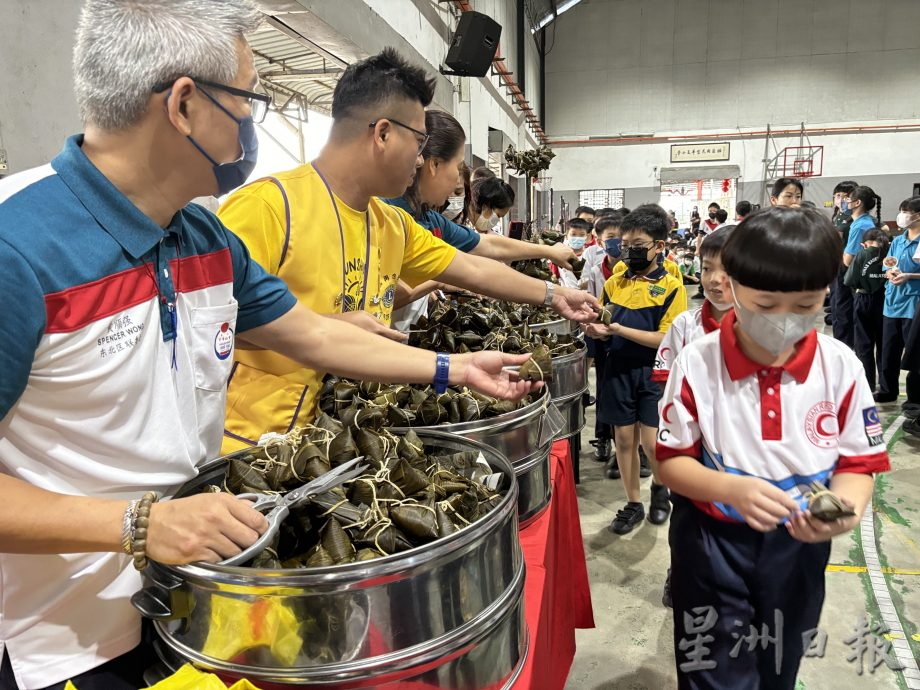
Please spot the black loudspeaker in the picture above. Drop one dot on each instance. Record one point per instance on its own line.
(916, 189)
(474, 45)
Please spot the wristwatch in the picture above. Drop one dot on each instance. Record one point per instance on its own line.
(550, 293)
(441, 372)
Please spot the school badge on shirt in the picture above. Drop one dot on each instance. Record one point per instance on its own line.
(873, 426)
(223, 341)
(656, 290)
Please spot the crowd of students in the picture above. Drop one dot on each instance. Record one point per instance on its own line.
(682, 393)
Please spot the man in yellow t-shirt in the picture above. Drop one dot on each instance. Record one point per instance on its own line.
(342, 250)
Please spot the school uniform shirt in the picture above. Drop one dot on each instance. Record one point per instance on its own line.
(806, 420)
(708, 226)
(568, 279)
(597, 277)
(671, 267)
(858, 228)
(117, 338)
(842, 222)
(866, 272)
(593, 255)
(646, 303)
(901, 300)
(687, 327)
(335, 259)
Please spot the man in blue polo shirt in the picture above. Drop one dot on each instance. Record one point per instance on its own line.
(120, 307)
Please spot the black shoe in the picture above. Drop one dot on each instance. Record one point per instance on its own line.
(613, 468)
(912, 427)
(828, 321)
(601, 449)
(659, 508)
(627, 518)
(645, 469)
(666, 596)
(885, 397)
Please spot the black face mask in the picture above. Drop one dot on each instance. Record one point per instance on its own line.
(637, 259)
(712, 216)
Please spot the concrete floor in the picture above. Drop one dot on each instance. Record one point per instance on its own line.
(631, 648)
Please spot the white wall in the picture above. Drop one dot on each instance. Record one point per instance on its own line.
(845, 155)
(37, 107)
(690, 68)
(640, 66)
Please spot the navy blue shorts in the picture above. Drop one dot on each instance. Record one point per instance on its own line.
(727, 577)
(628, 395)
(591, 345)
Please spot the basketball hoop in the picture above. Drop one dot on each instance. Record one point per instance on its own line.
(803, 161)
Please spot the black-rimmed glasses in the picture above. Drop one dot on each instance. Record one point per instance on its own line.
(424, 137)
(258, 102)
(645, 246)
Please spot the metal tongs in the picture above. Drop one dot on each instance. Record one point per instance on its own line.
(277, 506)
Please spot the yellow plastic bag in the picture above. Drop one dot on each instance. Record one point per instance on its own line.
(190, 678)
(241, 624)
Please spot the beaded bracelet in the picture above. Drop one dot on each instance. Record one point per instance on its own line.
(139, 531)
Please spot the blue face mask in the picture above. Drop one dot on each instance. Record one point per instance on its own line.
(232, 175)
(844, 205)
(612, 247)
(576, 243)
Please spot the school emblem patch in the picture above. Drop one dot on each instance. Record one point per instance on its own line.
(873, 425)
(656, 290)
(821, 425)
(223, 341)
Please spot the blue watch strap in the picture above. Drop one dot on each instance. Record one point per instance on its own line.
(441, 371)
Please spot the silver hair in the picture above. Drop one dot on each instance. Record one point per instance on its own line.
(125, 47)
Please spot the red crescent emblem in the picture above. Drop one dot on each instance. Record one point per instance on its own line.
(823, 419)
(664, 412)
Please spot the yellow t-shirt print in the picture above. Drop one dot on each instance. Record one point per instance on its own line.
(267, 391)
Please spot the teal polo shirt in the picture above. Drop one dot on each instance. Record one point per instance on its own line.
(901, 300)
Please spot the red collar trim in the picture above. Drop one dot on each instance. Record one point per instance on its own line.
(707, 319)
(608, 272)
(740, 366)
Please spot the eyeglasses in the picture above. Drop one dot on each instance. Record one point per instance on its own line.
(258, 102)
(421, 142)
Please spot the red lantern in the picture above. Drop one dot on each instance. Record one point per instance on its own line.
(726, 183)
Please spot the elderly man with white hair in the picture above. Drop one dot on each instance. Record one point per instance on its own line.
(120, 307)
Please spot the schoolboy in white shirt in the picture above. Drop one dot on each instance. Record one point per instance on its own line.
(750, 416)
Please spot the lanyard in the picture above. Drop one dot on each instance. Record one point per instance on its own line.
(169, 328)
(367, 254)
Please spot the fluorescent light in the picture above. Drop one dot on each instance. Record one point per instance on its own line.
(560, 8)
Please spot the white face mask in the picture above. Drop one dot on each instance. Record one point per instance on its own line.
(905, 219)
(775, 333)
(454, 206)
(484, 224)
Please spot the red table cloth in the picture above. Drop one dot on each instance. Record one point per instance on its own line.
(557, 596)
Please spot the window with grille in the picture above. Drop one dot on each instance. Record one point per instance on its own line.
(602, 198)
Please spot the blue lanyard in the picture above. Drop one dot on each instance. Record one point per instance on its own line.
(367, 254)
